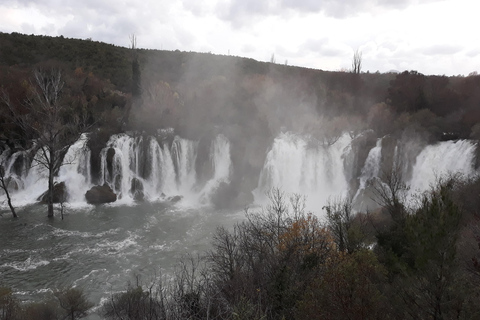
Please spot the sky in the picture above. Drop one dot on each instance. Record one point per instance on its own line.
(434, 37)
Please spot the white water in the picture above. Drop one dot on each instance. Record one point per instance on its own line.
(372, 164)
(162, 171)
(76, 171)
(370, 171)
(294, 164)
(320, 172)
(222, 166)
(440, 159)
(295, 167)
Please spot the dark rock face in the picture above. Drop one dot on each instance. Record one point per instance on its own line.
(59, 194)
(110, 156)
(137, 190)
(100, 194)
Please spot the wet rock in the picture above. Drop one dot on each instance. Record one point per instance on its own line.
(100, 194)
(59, 194)
(109, 160)
(137, 190)
(175, 199)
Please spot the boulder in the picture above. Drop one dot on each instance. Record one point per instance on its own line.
(59, 194)
(136, 190)
(175, 199)
(100, 194)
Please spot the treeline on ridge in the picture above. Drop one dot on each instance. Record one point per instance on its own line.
(192, 92)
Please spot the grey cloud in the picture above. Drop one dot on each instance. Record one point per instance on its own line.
(196, 7)
(441, 49)
(241, 12)
(322, 47)
(473, 53)
(315, 45)
(248, 48)
(28, 28)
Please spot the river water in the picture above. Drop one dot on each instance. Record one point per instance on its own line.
(100, 248)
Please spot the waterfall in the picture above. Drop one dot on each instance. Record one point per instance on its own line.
(442, 158)
(369, 171)
(30, 182)
(184, 155)
(162, 174)
(163, 171)
(145, 167)
(75, 170)
(10, 162)
(222, 166)
(294, 166)
(119, 171)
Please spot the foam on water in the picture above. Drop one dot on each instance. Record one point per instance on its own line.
(26, 265)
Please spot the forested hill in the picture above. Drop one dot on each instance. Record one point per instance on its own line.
(194, 91)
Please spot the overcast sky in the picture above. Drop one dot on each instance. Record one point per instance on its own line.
(430, 36)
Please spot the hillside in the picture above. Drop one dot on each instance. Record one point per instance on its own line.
(201, 94)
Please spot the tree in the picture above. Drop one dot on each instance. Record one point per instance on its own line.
(357, 62)
(9, 305)
(48, 120)
(136, 86)
(435, 288)
(390, 192)
(4, 185)
(74, 302)
(346, 227)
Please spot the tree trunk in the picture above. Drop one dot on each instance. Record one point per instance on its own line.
(50, 192)
(10, 204)
(9, 200)
(4, 187)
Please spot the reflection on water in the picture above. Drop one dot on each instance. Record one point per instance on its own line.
(100, 248)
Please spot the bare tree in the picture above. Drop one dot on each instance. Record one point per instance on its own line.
(357, 62)
(391, 192)
(4, 185)
(136, 76)
(49, 122)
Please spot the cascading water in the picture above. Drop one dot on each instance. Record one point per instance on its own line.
(295, 167)
(369, 171)
(27, 184)
(9, 161)
(162, 171)
(442, 158)
(76, 172)
(119, 170)
(184, 155)
(222, 166)
(162, 177)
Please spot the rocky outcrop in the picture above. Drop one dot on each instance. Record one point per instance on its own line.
(59, 194)
(109, 159)
(100, 194)
(136, 190)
